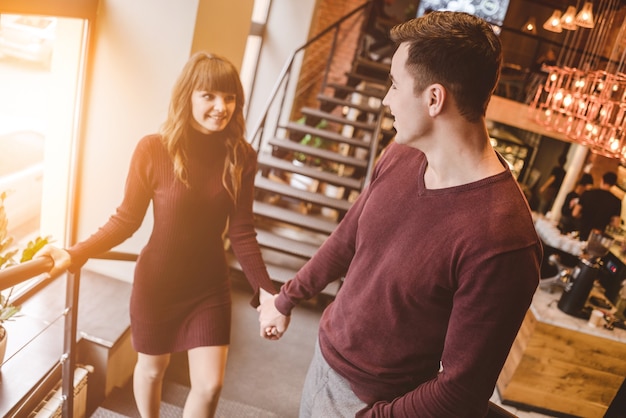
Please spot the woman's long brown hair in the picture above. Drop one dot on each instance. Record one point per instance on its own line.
(206, 72)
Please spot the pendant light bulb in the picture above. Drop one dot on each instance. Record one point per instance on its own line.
(568, 21)
(584, 19)
(530, 26)
(553, 24)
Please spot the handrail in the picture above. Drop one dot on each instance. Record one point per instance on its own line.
(258, 130)
(117, 256)
(19, 273)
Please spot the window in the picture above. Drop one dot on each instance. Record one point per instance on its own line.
(42, 67)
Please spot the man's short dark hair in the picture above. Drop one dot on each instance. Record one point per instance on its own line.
(458, 50)
(586, 179)
(609, 178)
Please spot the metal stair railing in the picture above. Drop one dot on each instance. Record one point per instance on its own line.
(14, 275)
(278, 94)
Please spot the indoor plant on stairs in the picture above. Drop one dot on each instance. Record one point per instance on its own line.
(7, 253)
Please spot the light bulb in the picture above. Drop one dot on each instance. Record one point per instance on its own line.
(553, 24)
(568, 19)
(584, 19)
(530, 26)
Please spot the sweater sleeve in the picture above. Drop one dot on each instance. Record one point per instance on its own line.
(242, 234)
(129, 214)
(488, 309)
(332, 259)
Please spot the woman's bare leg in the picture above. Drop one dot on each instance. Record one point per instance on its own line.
(148, 383)
(206, 373)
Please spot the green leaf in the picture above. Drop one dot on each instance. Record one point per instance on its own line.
(8, 312)
(7, 254)
(33, 247)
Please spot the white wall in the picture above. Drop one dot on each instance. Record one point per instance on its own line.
(287, 29)
(140, 47)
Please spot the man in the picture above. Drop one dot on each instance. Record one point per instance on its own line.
(598, 208)
(439, 253)
(568, 223)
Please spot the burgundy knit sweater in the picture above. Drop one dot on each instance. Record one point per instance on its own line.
(433, 278)
(180, 297)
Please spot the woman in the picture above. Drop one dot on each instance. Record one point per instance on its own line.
(199, 175)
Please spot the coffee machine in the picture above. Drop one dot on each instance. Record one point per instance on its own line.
(578, 287)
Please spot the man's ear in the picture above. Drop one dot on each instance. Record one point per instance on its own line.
(436, 98)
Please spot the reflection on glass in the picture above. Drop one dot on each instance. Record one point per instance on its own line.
(26, 47)
(40, 73)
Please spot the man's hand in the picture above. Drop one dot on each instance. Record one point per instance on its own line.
(273, 324)
(61, 258)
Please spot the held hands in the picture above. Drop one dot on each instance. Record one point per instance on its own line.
(60, 257)
(273, 324)
(264, 295)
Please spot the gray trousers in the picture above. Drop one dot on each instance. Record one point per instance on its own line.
(326, 394)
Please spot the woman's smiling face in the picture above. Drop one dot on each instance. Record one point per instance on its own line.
(212, 110)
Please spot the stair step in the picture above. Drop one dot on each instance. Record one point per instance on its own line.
(121, 403)
(267, 160)
(375, 65)
(362, 107)
(105, 413)
(266, 184)
(369, 91)
(288, 145)
(274, 241)
(279, 273)
(277, 213)
(383, 83)
(308, 111)
(323, 133)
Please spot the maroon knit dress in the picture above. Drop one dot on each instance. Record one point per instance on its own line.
(181, 290)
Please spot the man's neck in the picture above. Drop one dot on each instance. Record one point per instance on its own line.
(463, 157)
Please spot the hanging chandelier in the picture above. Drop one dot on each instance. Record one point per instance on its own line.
(584, 95)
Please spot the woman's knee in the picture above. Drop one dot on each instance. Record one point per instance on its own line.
(209, 390)
(206, 369)
(152, 367)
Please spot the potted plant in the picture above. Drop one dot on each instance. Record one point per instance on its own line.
(8, 252)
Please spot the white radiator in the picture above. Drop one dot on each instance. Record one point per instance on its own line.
(52, 405)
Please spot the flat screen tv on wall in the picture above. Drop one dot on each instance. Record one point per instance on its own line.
(493, 11)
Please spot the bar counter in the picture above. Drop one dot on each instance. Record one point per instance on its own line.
(559, 365)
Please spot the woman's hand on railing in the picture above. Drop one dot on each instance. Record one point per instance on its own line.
(61, 258)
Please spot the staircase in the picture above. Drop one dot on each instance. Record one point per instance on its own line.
(313, 166)
(121, 404)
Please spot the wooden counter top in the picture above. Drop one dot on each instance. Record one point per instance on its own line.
(560, 365)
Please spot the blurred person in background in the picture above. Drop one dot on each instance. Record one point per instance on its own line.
(550, 188)
(598, 208)
(568, 223)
